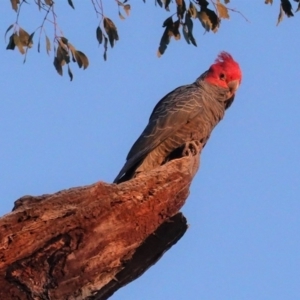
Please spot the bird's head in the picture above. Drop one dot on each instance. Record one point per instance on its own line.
(225, 72)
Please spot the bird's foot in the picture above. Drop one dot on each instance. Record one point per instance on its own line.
(192, 148)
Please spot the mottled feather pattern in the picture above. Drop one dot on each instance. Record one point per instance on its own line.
(188, 113)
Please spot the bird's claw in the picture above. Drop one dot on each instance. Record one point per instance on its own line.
(191, 148)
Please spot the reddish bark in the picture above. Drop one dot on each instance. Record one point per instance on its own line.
(86, 242)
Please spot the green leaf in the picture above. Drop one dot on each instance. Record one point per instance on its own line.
(105, 48)
(287, 7)
(193, 10)
(70, 73)
(11, 43)
(168, 22)
(164, 42)
(121, 16)
(222, 10)
(127, 9)
(8, 29)
(209, 19)
(188, 30)
(185, 33)
(167, 3)
(71, 4)
(159, 3)
(57, 65)
(48, 45)
(63, 55)
(111, 31)
(49, 2)
(64, 40)
(25, 38)
(30, 42)
(81, 59)
(181, 8)
(175, 30)
(19, 44)
(14, 4)
(280, 16)
(99, 35)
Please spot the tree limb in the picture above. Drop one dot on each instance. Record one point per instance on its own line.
(87, 242)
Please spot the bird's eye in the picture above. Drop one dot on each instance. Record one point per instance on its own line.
(222, 76)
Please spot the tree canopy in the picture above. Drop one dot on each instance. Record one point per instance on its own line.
(179, 23)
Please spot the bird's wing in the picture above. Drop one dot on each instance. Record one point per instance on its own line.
(170, 113)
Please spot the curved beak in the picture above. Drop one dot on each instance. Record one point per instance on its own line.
(233, 86)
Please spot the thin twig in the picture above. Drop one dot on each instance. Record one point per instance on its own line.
(18, 13)
(230, 9)
(237, 11)
(44, 20)
(98, 7)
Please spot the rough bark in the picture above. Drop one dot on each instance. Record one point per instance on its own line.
(87, 242)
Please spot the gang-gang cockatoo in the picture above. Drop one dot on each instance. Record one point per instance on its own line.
(186, 115)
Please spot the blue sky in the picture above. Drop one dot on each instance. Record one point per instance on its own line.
(244, 204)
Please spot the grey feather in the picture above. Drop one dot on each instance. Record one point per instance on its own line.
(188, 113)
